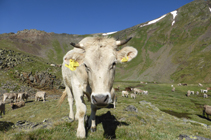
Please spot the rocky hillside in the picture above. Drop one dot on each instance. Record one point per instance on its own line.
(174, 48)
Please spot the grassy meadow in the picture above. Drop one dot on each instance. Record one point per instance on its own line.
(151, 121)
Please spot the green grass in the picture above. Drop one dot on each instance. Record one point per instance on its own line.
(146, 124)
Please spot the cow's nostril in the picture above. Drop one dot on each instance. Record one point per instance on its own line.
(106, 99)
(94, 100)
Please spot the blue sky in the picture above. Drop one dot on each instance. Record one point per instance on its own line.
(81, 16)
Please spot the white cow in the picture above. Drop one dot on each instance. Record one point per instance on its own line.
(125, 93)
(12, 96)
(145, 92)
(205, 96)
(204, 91)
(22, 96)
(137, 91)
(197, 93)
(192, 92)
(89, 69)
(133, 95)
(173, 89)
(40, 94)
(200, 85)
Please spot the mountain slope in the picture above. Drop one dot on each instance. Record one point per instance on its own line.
(172, 53)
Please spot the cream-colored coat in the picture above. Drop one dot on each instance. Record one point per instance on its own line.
(96, 58)
(40, 94)
(10, 96)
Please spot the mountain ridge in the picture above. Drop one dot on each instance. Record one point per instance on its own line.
(167, 53)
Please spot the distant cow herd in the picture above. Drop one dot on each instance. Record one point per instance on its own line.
(18, 99)
(133, 92)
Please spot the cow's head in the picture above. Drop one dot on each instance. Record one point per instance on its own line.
(99, 56)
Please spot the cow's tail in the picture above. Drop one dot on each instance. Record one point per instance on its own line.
(62, 98)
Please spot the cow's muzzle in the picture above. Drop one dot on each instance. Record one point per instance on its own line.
(100, 100)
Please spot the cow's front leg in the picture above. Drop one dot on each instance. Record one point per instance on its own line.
(92, 118)
(81, 111)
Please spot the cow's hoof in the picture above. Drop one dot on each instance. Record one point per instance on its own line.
(93, 129)
(81, 133)
(70, 120)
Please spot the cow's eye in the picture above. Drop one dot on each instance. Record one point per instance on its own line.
(87, 68)
(113, 65)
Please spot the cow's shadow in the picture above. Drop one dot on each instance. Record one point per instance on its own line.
(109, 123)
(203, 117)
(4, 126)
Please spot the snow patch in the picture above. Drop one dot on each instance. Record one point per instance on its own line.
(153, 21)
(174, 13)
(109, 33)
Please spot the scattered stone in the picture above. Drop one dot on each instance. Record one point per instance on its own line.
(186, 137)
(66, 119)
(148, 104)
(131, 108)
(32, 116)
(27, 126)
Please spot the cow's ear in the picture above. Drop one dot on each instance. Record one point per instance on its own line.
(126, 54)
(73, 60)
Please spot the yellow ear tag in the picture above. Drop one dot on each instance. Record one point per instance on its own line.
(125, 59)
(72, 65)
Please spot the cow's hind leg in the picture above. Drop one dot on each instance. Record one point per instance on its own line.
(70, 101)
(4, 98)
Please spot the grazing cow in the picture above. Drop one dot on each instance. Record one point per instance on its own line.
(197, 93)
(116, 89)
(208, 88)
(204, 91)
(125, 93)
(90, 68)
(173, 89)
(17, 105)
(184, 84)
(12, 96)
(40, 94)
(145, 92)
(207, 110)
(129, 89)
(200, 85)
(192, 92)
(2, 108)
(188, 93)
(133, 96)
(137, 91)
(205, 96)
(22, 96)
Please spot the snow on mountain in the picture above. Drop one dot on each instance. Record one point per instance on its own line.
(153, 21)
(109, 33)
(174, 13)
